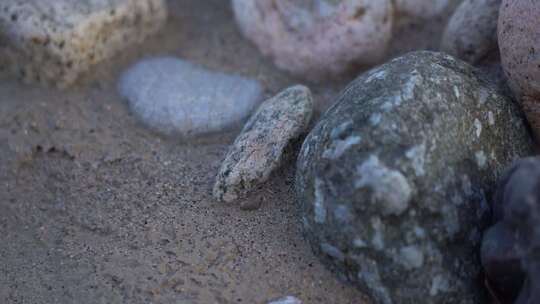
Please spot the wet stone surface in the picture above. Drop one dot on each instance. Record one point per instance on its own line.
(395, 179)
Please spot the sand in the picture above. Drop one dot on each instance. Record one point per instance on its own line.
(95, 208)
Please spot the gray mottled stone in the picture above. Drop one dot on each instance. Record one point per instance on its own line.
(258, 150)
(471, 33)
(176, 97)
(394, 180)
(286, 300)
(53, 42)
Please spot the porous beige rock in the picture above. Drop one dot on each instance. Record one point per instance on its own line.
(317, 39)
(53, 42)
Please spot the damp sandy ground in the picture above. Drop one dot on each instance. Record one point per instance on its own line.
(94, 208)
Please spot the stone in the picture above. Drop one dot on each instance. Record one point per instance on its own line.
(260, 147)
(519, 44)
(421, 8)
(471, 33)
(286, 300)
(399, 210)
(317, 39)
(510, 248)
(54, 42)
(178, 98)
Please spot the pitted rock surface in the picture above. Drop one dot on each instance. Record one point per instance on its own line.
(54, 42)
(394, 180)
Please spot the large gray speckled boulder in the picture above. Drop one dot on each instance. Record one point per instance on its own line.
(394, 180)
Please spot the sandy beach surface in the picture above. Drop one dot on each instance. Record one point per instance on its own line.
(95, 208)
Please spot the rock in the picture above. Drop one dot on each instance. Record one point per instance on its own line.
(510, 248)
(286, 300)
(259, 149)
(501, 259)
(393, 181)
(317, 39)
(519, 44)
(421, 8)
(471, 33)
(53, 42)
(176, 97)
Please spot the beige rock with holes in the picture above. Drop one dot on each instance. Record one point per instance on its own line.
(55, 41)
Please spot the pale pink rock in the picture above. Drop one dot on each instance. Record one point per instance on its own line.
(519, 44)
(421, 8)
(317, 39)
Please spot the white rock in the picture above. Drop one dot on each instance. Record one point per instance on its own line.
(175, 97)
(54, 41)
(317, 39)
(258, 150)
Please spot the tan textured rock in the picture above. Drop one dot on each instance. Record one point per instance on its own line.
(53, 42)
(259, 149)
(519, 44)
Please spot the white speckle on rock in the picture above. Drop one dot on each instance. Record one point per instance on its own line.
(439, 284)
(343, 214)
(286, 300)
(375, 119)
(417, 156)
(419, 232)
(376, 75)
(491, 118)
(481, 159)
(466, 185)
(318, 207)
(477, 127)
(333, 252)
(339, 146)
(457, 92)
(377, 239)
(369, 273)
(390, 188)
(411, 257)
(408, 89)
(359, 243)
